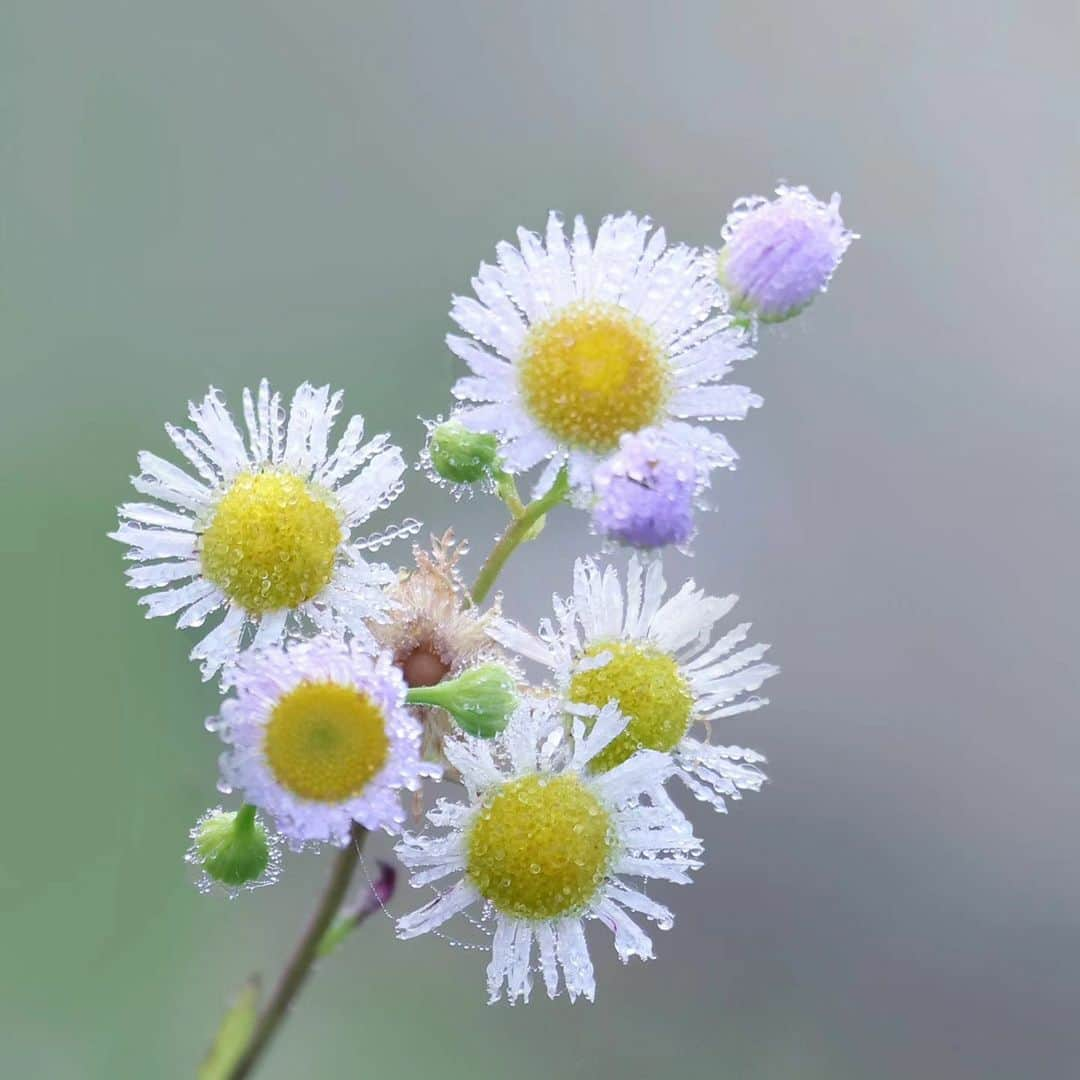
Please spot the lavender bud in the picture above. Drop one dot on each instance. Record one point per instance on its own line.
(645, 493)
(780, 254)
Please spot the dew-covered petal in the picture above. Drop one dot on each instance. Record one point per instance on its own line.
(440, 910)
(630, 939)
(573, 954)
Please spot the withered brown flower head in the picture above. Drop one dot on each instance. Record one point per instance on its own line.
(433, 632)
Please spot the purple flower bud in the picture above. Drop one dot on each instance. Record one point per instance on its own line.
(779, 255)
(645, 493)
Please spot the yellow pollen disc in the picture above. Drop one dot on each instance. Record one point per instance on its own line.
(651, 692)
(271, 541)
(541, 846)
(325, 741)
(592, 373)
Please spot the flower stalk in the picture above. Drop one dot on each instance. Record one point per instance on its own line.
(519, 530)
(304, 955)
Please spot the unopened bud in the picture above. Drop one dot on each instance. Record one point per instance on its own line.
(232, 848)
(481, 701)
(459, 455)
(780, 254)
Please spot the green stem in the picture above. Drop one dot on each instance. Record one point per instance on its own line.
(517, 531)
(300, 963)
(245, 818)
(508, 492)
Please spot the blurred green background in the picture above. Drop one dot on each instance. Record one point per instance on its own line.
(207, 192)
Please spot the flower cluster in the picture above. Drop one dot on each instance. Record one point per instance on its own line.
(349, 688)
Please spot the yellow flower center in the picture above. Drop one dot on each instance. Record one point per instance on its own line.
(541, 846)
(271, 541)
(591, 373)
(325, 741)
(651, 692)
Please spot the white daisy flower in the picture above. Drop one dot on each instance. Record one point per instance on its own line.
(542, 844)
(319, 737)
(576, 344)
(266, 530)
(654, 659)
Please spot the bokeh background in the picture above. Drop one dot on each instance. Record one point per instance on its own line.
(206, 192)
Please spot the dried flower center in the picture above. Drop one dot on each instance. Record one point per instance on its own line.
(271, 541)
(591, 373)
(541, 846)
(651, 692)
(325, 741)
(423, 667)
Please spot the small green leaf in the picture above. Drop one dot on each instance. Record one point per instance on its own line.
(234, 1033)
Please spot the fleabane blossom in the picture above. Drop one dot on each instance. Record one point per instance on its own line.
(573, 344)
(319, 738)
(543, 843)
(646, 493)
(655, 659)
(780, 253)
(266, 529)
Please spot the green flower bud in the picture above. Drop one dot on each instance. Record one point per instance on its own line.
(459, 455)
(481, 701)
(233, 849)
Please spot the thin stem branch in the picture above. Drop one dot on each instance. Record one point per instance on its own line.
(517, 531)
(300, 963)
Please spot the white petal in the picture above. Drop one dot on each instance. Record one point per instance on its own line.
(145, 577)
(224, 444)
(721, 691)
(630, 939)
(148, 543)
(190, 491)
(517, 639)
(221, 644)
(547, 477)
(545, 940)
(655, 587)
(270, 628)
(152, 514)
(663, 869)
(519, 976)
(439, 911)
(608, 725)
(574, 957)
(197, 613)
(688, 616)
(374, 488)
(581, 258)
(503, 957)
(347, 455)
(528, 450)
(720, 648)
(172, 600)
(472, 758)
(644, 770)
(198, 452)
(638, 901)
(501, 334)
